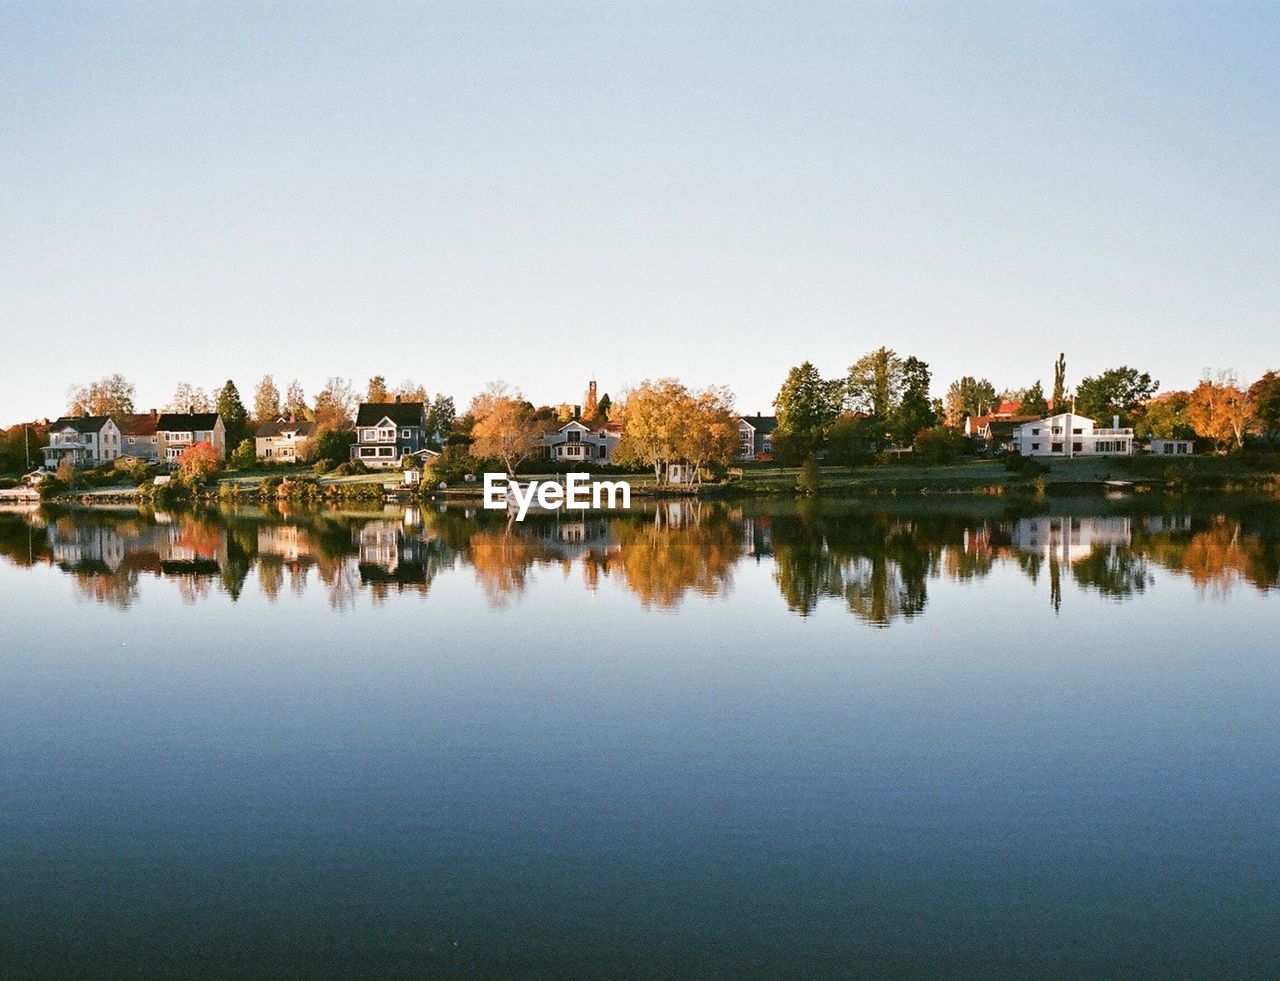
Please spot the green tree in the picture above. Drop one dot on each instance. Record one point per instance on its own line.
(938, 444)
(1033, 402)
(807, 405)
(606, 403)
(914, 411)
(1265, 395)
(1167, 417)
(1059, 383)
(809, 480)
(1117, 391)
(968, 396)
(441, 416)
(377, 390)
(244, 456)
(234, 416)
(852, 441)
(331, 446)
(875, 383)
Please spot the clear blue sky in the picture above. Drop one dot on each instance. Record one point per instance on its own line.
(534, 192)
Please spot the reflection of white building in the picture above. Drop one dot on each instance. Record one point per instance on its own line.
(1069, 539)
(1068, 435)
(75, 545)
(283, 541)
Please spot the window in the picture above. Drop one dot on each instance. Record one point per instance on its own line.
(406, 433)
(1055, 447)
(1077, 432)
(368, 435)
(368, 451)
(1035, 446)
(1077, 447)
(1057, 430)
(573, 436)
(385, 451)
(1035, 432)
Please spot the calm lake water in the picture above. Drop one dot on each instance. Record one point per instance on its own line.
(702, 741)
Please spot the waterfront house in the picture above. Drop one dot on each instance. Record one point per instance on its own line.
(138, 431)
(1172, 447)
(577, 442)
(755, 437)
(283, 440)
(177, 432)
(1070, 435)
(387, 432)
(86, 441)
(995, 434)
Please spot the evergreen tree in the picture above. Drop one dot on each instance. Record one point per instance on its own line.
(234, 416)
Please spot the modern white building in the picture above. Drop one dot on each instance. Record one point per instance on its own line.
(1172, 447)
(1068, 435)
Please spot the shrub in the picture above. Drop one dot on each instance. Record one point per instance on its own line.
(450, 466)
(1024, 466)
(809, 480)
(938, 444)
(244, 456)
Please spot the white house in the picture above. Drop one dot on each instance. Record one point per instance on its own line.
(283, 440)
(86, 441)
(1068, 435)
(575, 442)
(1172, 447)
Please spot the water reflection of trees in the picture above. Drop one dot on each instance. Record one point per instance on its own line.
(876, 566)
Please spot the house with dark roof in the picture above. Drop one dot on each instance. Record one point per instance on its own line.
(86, 441)
(755, 434)
(387, 432)
(283, 440)
(138, 432)
(177, 432)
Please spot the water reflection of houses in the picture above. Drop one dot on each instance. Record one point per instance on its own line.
(1096, 550)
(80, 547)
(1070, 538)
(400, 553)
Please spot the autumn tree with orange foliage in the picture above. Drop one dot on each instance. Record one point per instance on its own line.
(1221, 411)
(505, 428)
(198, 463)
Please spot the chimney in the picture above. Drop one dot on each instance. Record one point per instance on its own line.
(397, 400)
(154, 414)
(1115, 422)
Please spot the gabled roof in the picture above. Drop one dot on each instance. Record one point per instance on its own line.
(302, 427)
(186, 422)
(139, 424)
(81, 424)
(761, 424)
(401, 413)
(574, 422)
